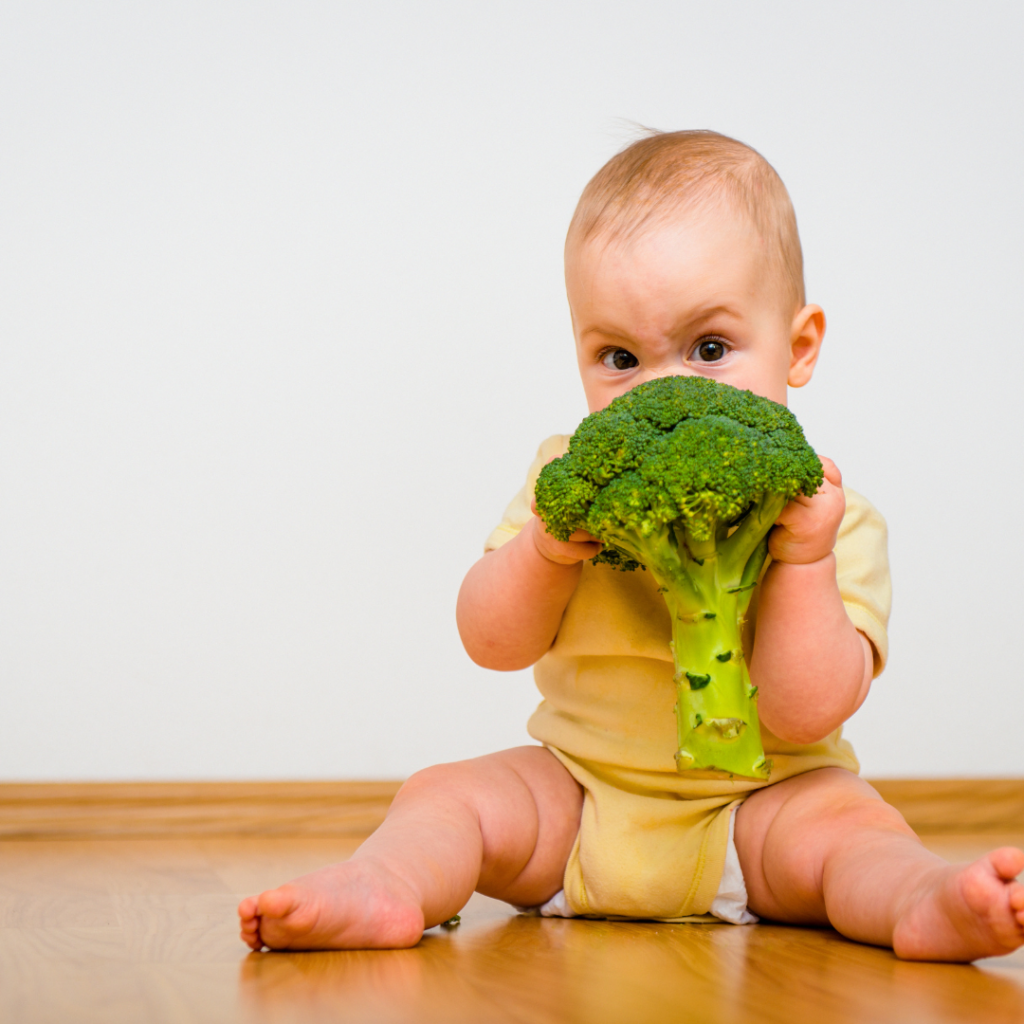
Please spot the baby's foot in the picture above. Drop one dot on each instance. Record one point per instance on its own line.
(965, 911)
(356, 905)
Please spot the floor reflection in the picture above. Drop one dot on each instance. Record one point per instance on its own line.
(497, 967)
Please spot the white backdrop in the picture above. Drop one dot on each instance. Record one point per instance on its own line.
(282, 323)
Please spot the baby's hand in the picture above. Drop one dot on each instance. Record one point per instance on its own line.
(807, 529)
(578, 548)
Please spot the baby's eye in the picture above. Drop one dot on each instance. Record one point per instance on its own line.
(710, 349)
(619, 359)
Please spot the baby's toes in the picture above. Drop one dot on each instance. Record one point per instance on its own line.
(1008, 861)
(278, 902)
(247, 909)
(982, 888)
(1005, 913)
(1017, 901)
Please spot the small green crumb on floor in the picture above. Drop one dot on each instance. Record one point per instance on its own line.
(452, 922)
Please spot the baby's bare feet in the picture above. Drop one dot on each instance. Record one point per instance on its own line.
(964, 912)
(356, 905)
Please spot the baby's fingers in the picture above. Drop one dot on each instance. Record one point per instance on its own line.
(568, 552)
(832, 482)
(578, 548)
(832, 474)
(796, 511)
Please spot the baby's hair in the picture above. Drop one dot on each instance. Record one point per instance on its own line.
(667, 172)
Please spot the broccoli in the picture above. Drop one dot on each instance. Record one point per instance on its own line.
(685, 477)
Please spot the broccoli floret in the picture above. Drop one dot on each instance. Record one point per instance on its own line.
(685, 477)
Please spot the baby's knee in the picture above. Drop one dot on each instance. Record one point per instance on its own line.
(438, 779)
(473, 784)
(860, 809)
(839, 794)
(822, 808)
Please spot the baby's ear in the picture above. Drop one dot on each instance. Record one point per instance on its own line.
(806, 335)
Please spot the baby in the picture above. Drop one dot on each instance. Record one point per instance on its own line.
(682, 258)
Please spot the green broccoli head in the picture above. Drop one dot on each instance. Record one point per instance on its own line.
(685, 477)
(682, 451)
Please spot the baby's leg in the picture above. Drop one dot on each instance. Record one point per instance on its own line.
(823, 848)
(503, 825)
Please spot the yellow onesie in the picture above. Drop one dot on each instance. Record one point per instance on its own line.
(652, 842)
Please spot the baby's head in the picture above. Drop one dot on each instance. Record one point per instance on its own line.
(683, 257)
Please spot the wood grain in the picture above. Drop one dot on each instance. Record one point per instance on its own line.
(125, 931)
(154, 809)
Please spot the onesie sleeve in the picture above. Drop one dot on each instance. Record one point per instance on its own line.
(518, 513)
(862, 571)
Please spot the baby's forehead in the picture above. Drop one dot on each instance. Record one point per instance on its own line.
(676, 272)
(719, 234)
(667, 228)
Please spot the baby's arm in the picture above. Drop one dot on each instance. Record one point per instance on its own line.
(511, 602)
(813, 668)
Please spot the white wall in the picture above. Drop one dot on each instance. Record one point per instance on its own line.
(282, 321)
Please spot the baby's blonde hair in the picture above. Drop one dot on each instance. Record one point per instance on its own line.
(668, 172)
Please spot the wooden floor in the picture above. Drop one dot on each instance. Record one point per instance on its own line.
(143, 932)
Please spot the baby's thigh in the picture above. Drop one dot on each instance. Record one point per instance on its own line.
(533, 797)
(785, 833)
(528, 808)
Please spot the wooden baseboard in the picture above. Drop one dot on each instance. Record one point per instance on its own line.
(957, 805)
(151, 809)
(98, 810)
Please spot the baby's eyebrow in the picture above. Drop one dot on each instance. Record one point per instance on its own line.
(692, 319)
(703, 315)
(603, 333)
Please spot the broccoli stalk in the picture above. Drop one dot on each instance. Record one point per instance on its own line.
(708, 587)
(685, 477)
